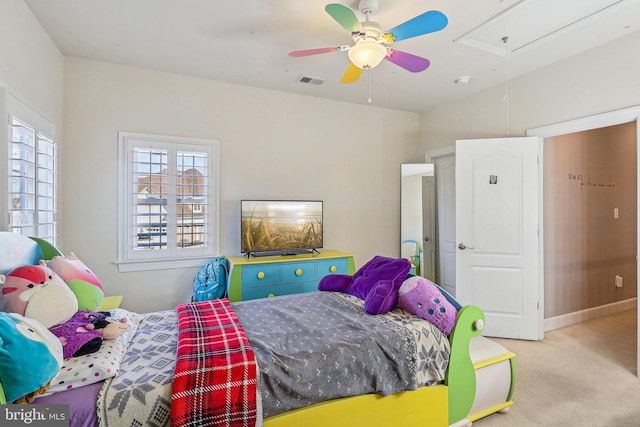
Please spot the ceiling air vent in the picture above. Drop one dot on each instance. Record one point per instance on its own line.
(310, 80)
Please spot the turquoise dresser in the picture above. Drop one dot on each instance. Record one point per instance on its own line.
(264, 277)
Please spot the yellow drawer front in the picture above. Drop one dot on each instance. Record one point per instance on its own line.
(260, 275)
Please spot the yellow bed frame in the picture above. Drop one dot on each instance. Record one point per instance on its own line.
(449, 404)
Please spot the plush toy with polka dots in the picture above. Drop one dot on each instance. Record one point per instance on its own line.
(421, 297)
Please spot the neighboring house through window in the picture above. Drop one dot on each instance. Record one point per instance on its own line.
(168, 211)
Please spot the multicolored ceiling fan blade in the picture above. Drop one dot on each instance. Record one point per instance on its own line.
(409, 62)
(428, 22)
(308, 52)
(351, 75)
(345, 16)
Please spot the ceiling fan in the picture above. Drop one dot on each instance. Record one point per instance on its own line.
(369, 48)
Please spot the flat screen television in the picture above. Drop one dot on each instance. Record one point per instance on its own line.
(280, 227)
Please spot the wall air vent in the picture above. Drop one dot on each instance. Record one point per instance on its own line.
(530, 23)
(310, 80)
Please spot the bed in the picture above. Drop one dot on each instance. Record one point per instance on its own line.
(434, 381)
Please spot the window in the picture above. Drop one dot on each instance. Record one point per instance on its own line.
(32, 173)
(168, 212)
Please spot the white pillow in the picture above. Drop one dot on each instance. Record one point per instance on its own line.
(104, 363)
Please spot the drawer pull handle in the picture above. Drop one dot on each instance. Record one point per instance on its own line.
(299, 272)
(261, 275)
(332, 269)
(271, 296)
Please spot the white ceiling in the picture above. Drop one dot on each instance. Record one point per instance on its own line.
(247, 41)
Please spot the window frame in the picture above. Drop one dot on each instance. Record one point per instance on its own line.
(44, 132)
(174, 256)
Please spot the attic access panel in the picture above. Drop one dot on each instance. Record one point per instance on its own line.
(530, 23)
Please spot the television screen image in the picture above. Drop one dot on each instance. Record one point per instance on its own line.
(280, 226)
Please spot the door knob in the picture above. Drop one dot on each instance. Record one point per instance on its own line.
(426, 239)
(462, 246)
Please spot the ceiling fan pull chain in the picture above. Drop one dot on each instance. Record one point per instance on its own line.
(369, 85)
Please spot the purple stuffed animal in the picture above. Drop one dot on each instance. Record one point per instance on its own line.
(78, 335)
(377, 283)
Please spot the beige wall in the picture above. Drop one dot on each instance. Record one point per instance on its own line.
(587, 175)
(31, 66)
(272, 145)
(600, 80)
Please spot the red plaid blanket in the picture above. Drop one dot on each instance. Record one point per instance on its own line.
(215, 378)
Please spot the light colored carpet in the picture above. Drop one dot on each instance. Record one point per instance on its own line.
(583, 375)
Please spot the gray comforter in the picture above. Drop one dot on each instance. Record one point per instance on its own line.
(322, 345)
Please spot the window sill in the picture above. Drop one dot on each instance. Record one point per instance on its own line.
(160, 264)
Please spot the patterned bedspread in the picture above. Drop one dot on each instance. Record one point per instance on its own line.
(141, 393)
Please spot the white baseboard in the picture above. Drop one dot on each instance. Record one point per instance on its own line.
(590, 313)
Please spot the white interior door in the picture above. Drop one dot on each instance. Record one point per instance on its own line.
(498, 233)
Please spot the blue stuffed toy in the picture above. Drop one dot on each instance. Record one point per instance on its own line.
(26, 344)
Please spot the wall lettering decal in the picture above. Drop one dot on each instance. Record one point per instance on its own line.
(586, 183)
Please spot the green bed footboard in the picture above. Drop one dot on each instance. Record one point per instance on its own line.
(460, 377)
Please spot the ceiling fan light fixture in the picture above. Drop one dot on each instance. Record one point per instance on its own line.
(368, 48)
(367, 54)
